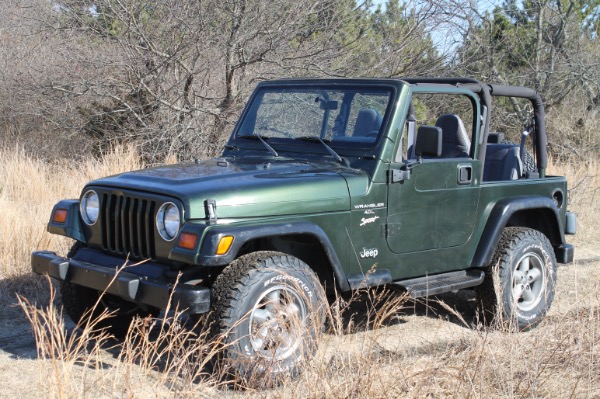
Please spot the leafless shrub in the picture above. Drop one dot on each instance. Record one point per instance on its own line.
(171, 77)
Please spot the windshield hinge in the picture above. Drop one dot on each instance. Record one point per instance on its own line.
(398, 175)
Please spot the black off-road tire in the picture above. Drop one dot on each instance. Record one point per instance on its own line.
(77, 300)
(518, 289)
(528, 163)
(268, 312)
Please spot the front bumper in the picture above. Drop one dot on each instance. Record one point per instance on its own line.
(129, 286)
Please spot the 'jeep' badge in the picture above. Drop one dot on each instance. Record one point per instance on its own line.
(369, 253)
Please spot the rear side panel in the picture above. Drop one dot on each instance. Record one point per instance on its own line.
(539, 204)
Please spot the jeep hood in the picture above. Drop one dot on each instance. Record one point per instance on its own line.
(246, 188)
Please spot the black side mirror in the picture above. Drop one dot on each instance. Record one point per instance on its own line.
(429, 141)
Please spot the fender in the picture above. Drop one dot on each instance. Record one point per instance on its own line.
(243, 234)
(72, 226)
(501, 214)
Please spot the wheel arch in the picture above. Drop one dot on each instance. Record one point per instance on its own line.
(304, 240)
(535, 212)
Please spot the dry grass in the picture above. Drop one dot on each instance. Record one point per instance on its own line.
(156, 356)
(584, 191)
(67, 352)
(29, 188)
(376, 346)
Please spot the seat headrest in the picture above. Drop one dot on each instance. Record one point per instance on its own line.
(368, 121)
(455, 140)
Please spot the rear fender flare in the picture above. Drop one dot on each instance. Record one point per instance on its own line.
(500, 216)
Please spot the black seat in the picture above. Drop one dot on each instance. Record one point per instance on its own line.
(455, 140)
(368, 122)
(502, 162)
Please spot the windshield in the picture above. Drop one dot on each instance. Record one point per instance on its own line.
(352, 116)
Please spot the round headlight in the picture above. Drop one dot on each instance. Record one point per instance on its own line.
(168, 221)
(90, 207)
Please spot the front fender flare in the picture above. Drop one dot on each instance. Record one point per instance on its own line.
(243, 234)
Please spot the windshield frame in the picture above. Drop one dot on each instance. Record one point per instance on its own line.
(344, 147)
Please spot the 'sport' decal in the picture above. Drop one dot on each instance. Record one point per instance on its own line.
(370, 220)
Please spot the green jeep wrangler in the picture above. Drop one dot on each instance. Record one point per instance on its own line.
(325, 185)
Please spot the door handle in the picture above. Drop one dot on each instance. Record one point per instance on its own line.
(465, 174)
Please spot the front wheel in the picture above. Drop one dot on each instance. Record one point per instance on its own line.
(519, 286)
(268, 309)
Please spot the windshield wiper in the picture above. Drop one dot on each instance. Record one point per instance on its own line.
(259, 137)
(320, 140)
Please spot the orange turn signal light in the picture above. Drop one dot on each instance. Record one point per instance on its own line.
(60, 216)
(187, 240)
(224, 245)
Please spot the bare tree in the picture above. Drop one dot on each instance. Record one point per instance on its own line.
(172, 76)
(549, 45)
(175, 70)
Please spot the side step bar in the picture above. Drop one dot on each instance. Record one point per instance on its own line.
(440, 283)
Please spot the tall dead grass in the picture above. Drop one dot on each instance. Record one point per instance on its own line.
(375, 348)
(584, 192)
(156, 355)
(29, 188)
(451, 355)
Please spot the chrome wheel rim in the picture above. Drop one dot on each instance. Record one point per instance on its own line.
(277, 323)
(528, 281)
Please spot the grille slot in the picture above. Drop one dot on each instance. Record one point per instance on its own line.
(128, 225)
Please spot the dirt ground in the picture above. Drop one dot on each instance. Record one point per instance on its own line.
(428, 326)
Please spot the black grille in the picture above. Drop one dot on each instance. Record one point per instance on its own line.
(128, 225)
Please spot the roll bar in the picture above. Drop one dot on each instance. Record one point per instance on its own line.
(485, 93)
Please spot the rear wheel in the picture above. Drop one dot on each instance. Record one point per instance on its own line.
(268, 308)
(519, 286)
